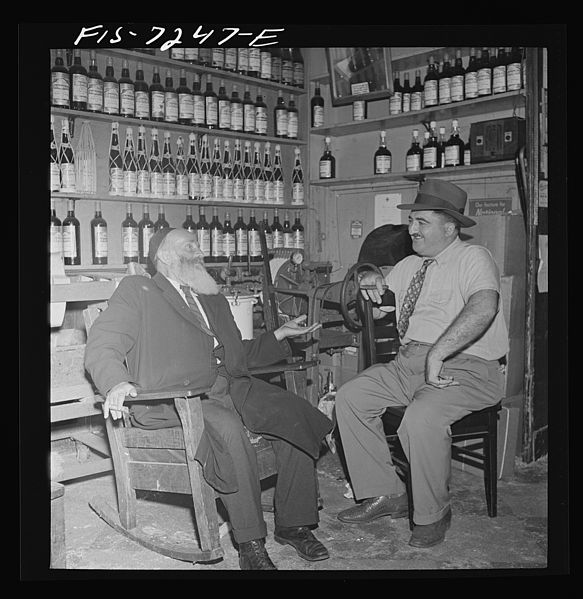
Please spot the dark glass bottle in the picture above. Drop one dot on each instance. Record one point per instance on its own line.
(181, 173)
(170, 99)
(298, 233)
(236, 110)
(298, 71)
(67, 158)
(431, 85)
(161, 223)
(60, 83)
(430, 148)
(157, 97)
(258, 177)
(396, 100)
(287, 67)
(292, 119)
(254, 240)
(297, 179)
(94, 86)
(71, 237)
(317, 108)
(264, 225)
(185, 100)
(98, 237)
(130, 167)
(227, 182)
(260, 114)
(224, 105)
(248, 112)
(143, 173)
(141, 94)
(55, 171)
(168, 169)
(241, 243)
(79, 78)
(484, 73)
(280, 117)
(499, 72)
(265, 69)
(130, 238)
(204, 56)
(55, 232)
(457, 78)
(414, 154)
(189, 224)
(230, 59)
(441, 143)
(454, 149)
(110, 89)
(276, 64)
(206, 181)
(193, 169)
(417, 92)
(145, 232)
(288, 238)
(382, 162)
(445, 81)
(216, 233)
(514, 69)
(269, 187)
(155, 162)
(199, 108)
(238, 178)
(327, 162)
(254, 62)
(229, 245)
(242, 60)
(471, 77)
(211, 102)
(278, 183)
(217, 172)
(277, 231)
(406, 94)
(218, 58)
(127, 98)
(248, 186)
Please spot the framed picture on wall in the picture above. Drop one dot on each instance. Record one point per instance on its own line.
(359, 74)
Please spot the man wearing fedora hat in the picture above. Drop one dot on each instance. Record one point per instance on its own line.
(452, 333)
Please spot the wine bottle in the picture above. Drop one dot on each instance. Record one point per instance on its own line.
(260, 114)
(130, 168)
(499, 72)
(254, 239)
(276, 64)
(161, 223)
(79, 79)
(430, 149)
(267, 232)
(211, 104)
(185, 100)
(406, 94)
(454, 149)
(199, 103)
(258, 180)
(414, 153)
(176, 53)
(98, 237)
(204, 56)
(278, 184)
(241, 243)
(242, 61)
(67, 158)
(227, 186)
(216, 172)
(203, 232)
(71, 237)
(224, 104)
(441, 143)
(218, 58)
(55, 232)
(170, 99)
(94, 86)
(445, 81)
(280, 122)
(396, 100)
(189, 224)
(248, 112)
(514, 70)
(157, 96)
(288, 237)
(110, 89)
(236, 110)
(254, 62)
(298, 233)
(193, 169)
(292, 119)
(430, 85)
(230, 59)
(297, 180)
(155, 165)
(181, 174)
(143, 174)
(298, 70)
(191, 55)
(55, 171)
(238, 185)
(277, 231)
(130, 238)
(417, 92)
(248, 186)
(216, 233)
(484, 73)
(127, 98)
(229, 245)
(60, 83)
(168, 168)
(359, 110)
(382, 162)
(327, 162)
(145, 232)
(206, 181)
(141, 94)
(317, 108)
(457, 78)
(265, 62)
(471, 77)
(269, 183)
(287, 67)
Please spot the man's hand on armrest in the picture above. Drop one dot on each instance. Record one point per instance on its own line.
(115, 398)
(294, 328)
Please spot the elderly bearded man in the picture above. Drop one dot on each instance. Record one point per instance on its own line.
(151, 325)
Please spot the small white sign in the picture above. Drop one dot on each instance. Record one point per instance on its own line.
(385, 209)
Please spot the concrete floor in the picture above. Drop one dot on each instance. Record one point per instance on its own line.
(515, 539)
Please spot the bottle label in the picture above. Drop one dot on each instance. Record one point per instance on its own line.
(204, 241)
(277, 239)
(224, 114)
(147, 232)
(158, 104)
(298, 193)
(278, 192)
(452, 155)
(288, 240)
(206, 185)
(60, 89)
(298, 74)
(471, 85)
(242, 59)
(382, 164)
(457, 88)
(69, 241)
(171, 108)
(55, 240)
(68, 176)
(254, 244)
(406, 102)
(182, 185)
(269, 240)
(216, 243)
(237, 116)
(281, 123)
(238, 190)
(249, 118)
(79, 87)
(248, 190)
(292, 125)
(228, 189)
(129, 242)
(298, 240)
(499, 79)
(177, 53)
(413, 162)
(396, 103)
(212, 111)
(143, 183)
(110, 97)
(269, 192)
(325, 169)
(429, 157)
(259, 189)
(193, 185)
(445, 91)
(228, 244)
(265, 65)
(484, 82)
(199, 110)
(218, 57)
(318, 116)
(142, 105)
(116, 181)
(430, 90)
(127, 99)
(261, 120)
(230, 59)
(55, 177)
(95, 95)
(100, 237)
(130, 183)
(287, 72)
(416, 100)
(254, 59)
(186, 107)
(358, 109)
(191, 54)
(241, 240)
(513, 73)
(156, 184)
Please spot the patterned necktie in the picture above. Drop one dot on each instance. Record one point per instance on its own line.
(195, 309)
(411, 298)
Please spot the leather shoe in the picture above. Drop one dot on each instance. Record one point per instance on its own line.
(428, 535)
(253, 556)
(372, 508)
(303, 541)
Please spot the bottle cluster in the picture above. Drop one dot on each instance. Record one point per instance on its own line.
(437, 151)
(82, 89)
(219, 241)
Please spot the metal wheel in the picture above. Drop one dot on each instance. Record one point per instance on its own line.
(350, 295)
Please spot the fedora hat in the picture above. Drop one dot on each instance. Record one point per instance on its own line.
(435, 194)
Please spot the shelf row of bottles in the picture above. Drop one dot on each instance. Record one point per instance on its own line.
(218, 241)
(233, 173)
(78, 89)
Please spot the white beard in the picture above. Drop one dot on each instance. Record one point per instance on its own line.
(192, 272)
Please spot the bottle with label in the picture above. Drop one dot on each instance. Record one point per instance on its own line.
(155, 163)
(189, 224)
(248, 185)
(254, 240)
(431, 85)
(248, 112)
(467, 153)
(414, 153)
(67, 158)
(143, 173)
(161, 223)
(130, 238)
(191, 55)
(185, 100)
(280, 122)
(265, 59)
(327, 162)
(292, 119)
(224, 104)
(396, 100)
(227, 188)
(55, 171)
(110, 89)
(229, 246)
(55, 232)
(230, 59)
(145, 232)
(254, 67)
(430, 148)
(78, 74)
(98, 237)
(211, 104)
(181, 174)
(297, 180)
(216, 233)
(359, 110)
(484, 73)
(298, 70)
(406, 94)
(206, 180)
(204, 56)
(514, 69)
(269, 183)
(288, 237)
(298, 233)
(238, 178)
(382, 157)
(457, 78)
(94, 86)
(157, 95)
(260, 114)
(277, 231)
(60, 83)
(71, 237)
(417, 92)
(278, 184)
(141, 94)
(130, 167)
(168, 169)
(441, 143)
(236, 123)
(287, 66)
(192, 169)
(264, 225)
(499, 72)
(276, 64)
(241, 244)
(218, 58)
(242, 61)
(471, 77)
(454, 149)
(176, 53)
(216, 172)
(317, 108)
(127, 98)
(258, 176)
(445, 81)
(198, 103)
(170, 99)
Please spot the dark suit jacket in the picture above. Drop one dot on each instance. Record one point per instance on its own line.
(150, 337)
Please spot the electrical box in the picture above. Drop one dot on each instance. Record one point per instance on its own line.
(498, 139)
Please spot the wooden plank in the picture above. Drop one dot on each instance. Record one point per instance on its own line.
(86, 469)
(95, 442)
(83, 291)
(70, 411)
(81, 391)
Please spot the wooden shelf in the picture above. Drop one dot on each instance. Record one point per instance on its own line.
(165, 126)
(489, 169)
(507, 101)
